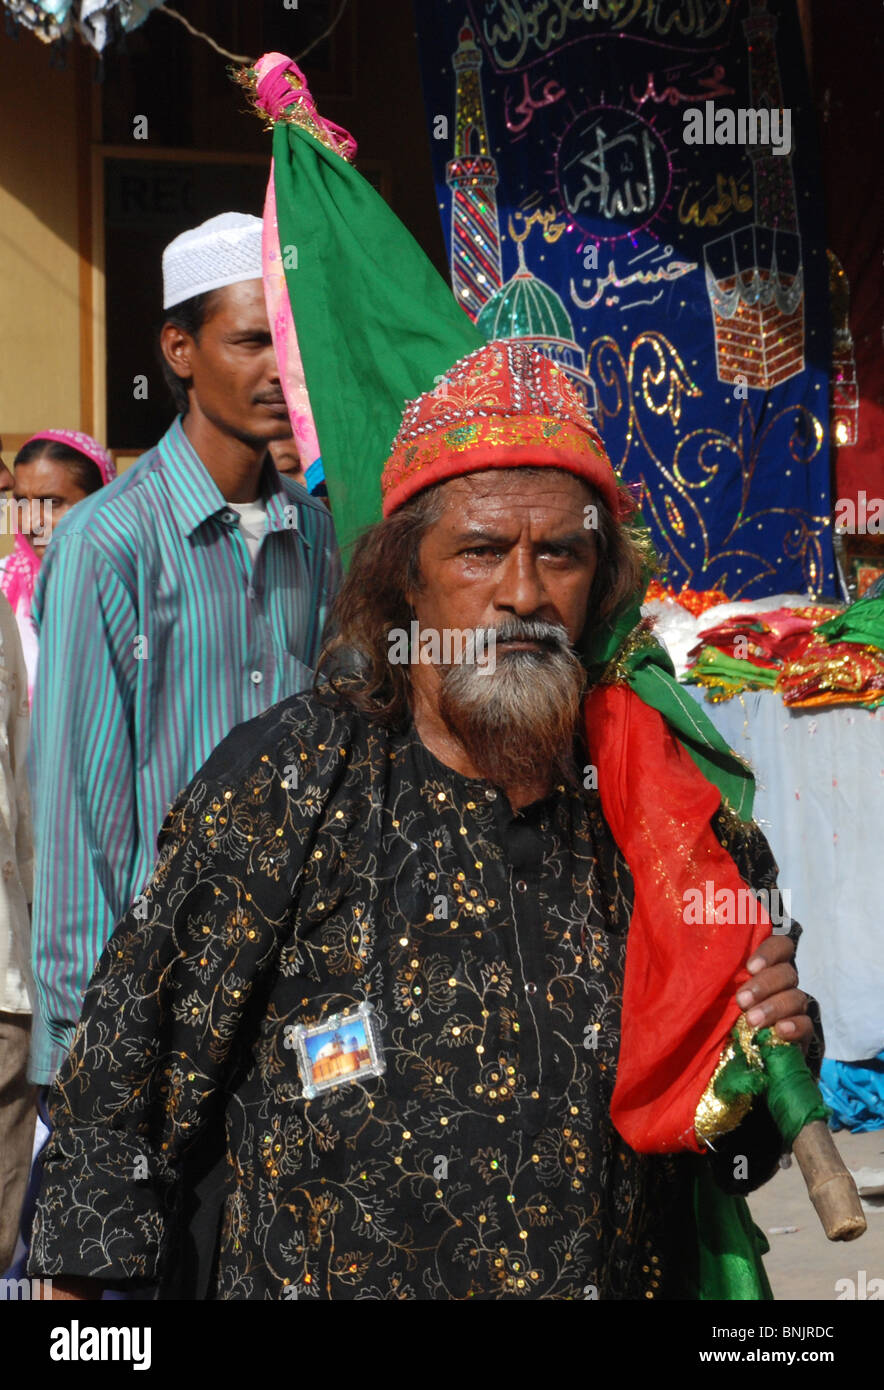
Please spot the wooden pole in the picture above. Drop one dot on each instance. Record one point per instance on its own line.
(829, 1184)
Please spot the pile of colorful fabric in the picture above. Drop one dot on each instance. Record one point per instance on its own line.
(843, 663)
(811, 655)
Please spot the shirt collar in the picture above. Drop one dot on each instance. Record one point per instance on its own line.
(196, 496)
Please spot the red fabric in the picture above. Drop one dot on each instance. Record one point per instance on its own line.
(680, 982)
(449, 464)
(772, 637)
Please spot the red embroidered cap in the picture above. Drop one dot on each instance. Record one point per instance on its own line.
(503, 406)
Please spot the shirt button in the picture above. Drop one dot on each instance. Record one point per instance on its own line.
(228, 516)
(490, 794)
(257, 677)
(530, 988)
(522, 886)
(250, 593)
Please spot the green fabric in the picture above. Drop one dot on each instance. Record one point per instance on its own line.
(725, 1261)
(793, 1097)
(862, 622)
(739, 1077)
(729, 1256)
(726, 675)
(376, 322)
(651, 675)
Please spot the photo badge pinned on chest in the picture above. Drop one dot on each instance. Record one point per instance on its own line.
(343, 1048)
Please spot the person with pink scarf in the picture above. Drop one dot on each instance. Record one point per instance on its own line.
(53, 471)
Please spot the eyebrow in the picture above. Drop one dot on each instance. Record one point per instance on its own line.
(239, 334)
(579, 538)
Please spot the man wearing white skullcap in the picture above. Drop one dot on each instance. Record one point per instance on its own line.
(184, 598)
(223, 251)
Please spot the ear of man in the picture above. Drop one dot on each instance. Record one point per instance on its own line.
(179, 334)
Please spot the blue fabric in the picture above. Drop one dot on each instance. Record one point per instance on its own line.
(854, 1092)
(314, 476)
(577, 216)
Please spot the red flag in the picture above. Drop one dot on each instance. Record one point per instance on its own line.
(681, 974)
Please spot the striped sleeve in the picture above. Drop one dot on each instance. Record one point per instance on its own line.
(83, 782)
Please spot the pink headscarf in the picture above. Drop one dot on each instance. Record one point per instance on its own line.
(75, 439)
(20, 571)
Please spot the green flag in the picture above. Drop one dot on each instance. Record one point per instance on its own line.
(376, 323)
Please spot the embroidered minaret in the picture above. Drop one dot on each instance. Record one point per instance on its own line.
(754, 277)
(472, 177)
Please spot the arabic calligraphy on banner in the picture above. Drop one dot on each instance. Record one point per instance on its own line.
(515, 33)
(683, 288)
(613, 173)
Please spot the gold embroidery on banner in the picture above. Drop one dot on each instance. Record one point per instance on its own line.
(747, 1035)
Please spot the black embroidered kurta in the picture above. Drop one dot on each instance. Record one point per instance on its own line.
(318, 861)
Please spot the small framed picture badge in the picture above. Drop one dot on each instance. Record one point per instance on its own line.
(342, 1048)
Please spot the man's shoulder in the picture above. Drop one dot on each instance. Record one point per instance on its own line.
(315, 512)
(103, 536)
(112, 520)
(312, 733)
(9, 635)
(114, 501)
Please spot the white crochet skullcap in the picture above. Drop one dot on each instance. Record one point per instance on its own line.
(222, 251)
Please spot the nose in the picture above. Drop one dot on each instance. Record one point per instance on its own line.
(520, 588)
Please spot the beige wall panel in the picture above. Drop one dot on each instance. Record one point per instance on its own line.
(39, 266)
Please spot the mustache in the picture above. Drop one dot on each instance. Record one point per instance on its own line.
(269, 398)
(550, 635)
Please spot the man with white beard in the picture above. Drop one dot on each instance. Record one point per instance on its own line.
(386, 935)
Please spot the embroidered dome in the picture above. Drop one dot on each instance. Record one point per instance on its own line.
(525, 308)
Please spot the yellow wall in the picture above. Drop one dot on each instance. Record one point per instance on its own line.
(39, 267)
(39, 264)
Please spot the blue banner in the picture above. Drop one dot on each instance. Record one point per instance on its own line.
(634, 187)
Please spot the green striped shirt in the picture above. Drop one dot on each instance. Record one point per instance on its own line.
(157, 636)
